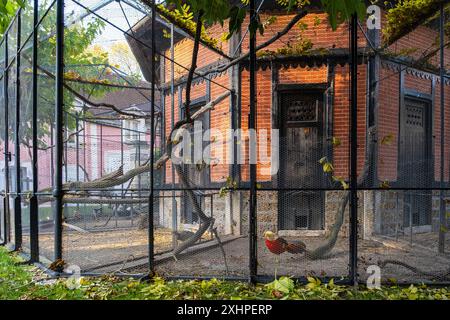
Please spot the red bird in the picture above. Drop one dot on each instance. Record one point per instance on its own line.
(278, 245)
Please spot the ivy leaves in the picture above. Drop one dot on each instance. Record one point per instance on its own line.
(340, 11)
(218, 11)
(214, 11)
(8, 9)
(237, 16)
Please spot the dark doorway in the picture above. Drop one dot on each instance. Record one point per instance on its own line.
(196, 173)
(415, 165)
(301, 148)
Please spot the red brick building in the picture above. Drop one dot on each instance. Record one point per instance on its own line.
(303, 90)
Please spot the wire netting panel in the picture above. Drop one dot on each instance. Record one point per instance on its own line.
(101, 235)
(46, 134)
(12, 40)
(11, 140)
(308, 146)
(406, 157)
(312, 238)
(106, 172)
(213, 242)
(2, 150)
(26, 24)
(25, 132)
(2, 220)
(46, 228)
(201, 206)
(404, 221)
(405, 239)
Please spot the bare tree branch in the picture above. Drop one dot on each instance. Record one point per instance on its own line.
(198, 34)
(103, 183)
(70, 136)
(92, 103)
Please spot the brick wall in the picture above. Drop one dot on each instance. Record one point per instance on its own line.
(389, 110)
(321, 35)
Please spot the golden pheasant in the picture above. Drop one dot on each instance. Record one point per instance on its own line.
(278, 245)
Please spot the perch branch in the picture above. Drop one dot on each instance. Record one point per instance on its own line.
(206, 222)
(445, 275)
(330, 242)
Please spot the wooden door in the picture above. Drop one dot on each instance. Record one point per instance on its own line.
(415, 165)
(301, 148)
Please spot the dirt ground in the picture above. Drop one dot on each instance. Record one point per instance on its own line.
(95, 244)
(125, 250)
(335, 264)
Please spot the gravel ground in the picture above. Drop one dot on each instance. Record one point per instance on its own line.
(119, 246)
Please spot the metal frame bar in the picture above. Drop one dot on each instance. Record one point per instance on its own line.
(18, 191)
(151, 238)
(353, 263)
(442, 205)
(6, 218)
(58, 192)
(34, 208)
(25, 44)
(253, 249)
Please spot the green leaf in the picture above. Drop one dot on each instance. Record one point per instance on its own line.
(237, 16)
(341, 10)
(284, 285)
(328, 167)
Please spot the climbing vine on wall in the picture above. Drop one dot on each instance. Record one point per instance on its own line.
(408, 14)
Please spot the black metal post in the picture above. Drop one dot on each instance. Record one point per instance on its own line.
(122, 192)
(172, 122)
(101, 160)
(85, 175)
(354, 148)
(252, 126)
(442, 211)
(34, 213)
(7, 213)
(101, 151)
(77, 152)
(18, 196)
(59, 127)
(66, 149)
(138, 162)
(152, 153)
(65, 156)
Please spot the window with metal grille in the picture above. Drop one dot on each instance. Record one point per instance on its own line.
(302, 111)
(414, 116)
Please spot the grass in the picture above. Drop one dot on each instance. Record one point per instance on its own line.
(24, 282)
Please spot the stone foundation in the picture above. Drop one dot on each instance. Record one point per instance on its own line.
(389, 209)
(225, 210)
(379, 213)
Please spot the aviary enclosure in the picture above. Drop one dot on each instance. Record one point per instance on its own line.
(357, 164)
